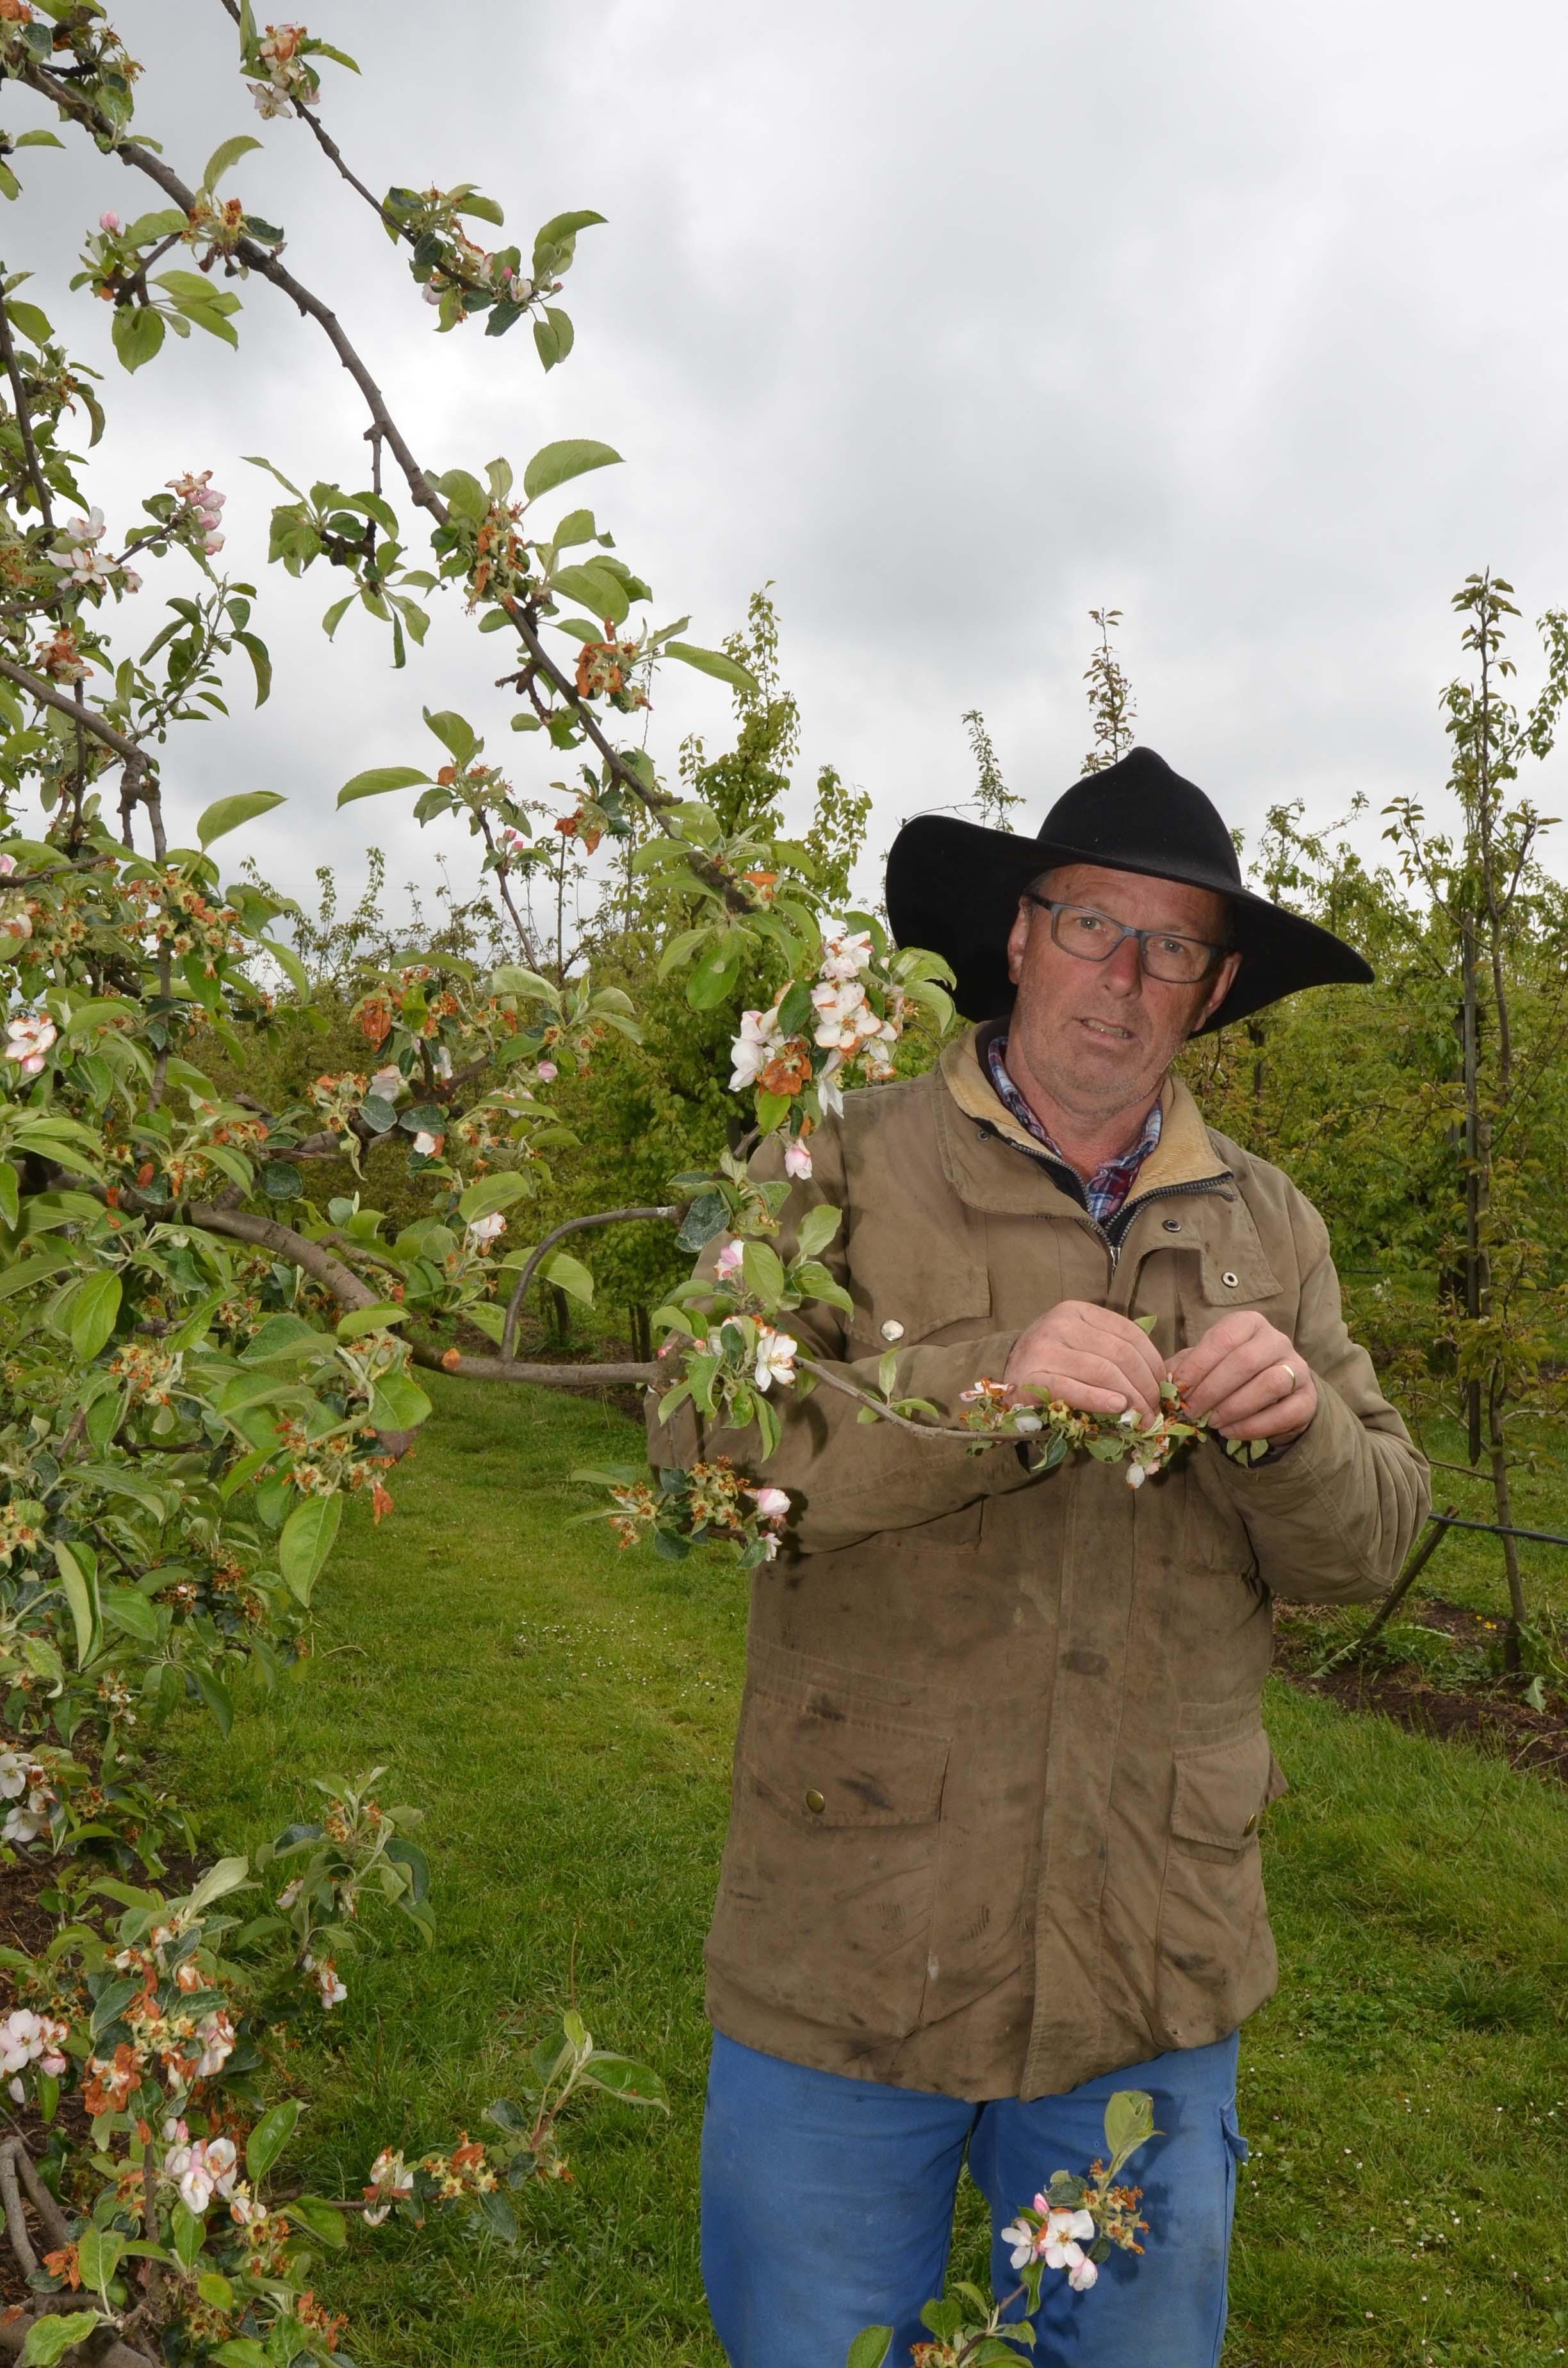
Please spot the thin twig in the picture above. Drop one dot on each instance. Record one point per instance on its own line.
(572, 1226)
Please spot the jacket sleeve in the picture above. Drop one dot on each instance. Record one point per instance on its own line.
(1333, 1517)
(850, 1479)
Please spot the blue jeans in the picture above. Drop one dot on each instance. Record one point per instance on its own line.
(827, 2206)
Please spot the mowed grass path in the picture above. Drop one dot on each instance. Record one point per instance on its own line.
(564, 1713)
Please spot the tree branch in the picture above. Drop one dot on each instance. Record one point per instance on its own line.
(552, 1377)
(572, 1226)
(266, 1233)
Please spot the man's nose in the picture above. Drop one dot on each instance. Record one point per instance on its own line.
(1122, 971)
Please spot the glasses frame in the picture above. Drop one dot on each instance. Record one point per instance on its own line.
(1054, 906)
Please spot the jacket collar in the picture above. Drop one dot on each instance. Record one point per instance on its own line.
(973, 1120)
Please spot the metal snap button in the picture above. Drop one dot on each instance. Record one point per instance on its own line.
(816, 1804)
(1230, 1280)
(1172, 1224)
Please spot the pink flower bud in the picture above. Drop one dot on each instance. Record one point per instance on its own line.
(547, 1073)
(110, 222)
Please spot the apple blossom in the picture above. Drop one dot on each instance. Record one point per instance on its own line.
(797, 1160)
(547, 1073)
(428, 1145)
(110, 222)
(485, 1230)
(776, 1354)
(13, 1775)
(387, 1082)
(773, 1504)
(325, 1974)
(27, 1040)
(728, 1261)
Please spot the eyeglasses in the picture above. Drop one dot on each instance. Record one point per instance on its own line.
(1094, 937)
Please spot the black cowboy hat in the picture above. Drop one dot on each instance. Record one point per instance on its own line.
(954, 886)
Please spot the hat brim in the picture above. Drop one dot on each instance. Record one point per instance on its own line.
(953, 887)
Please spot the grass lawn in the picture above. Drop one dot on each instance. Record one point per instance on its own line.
(564, 1713)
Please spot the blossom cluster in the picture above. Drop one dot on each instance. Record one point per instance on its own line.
(200, 511)
(28, 2038)
(287, 79)
(710, 1502)
(814, 1042)
(25, 1782)
(87, 568)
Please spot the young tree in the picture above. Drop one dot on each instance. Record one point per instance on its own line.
(1110, 698)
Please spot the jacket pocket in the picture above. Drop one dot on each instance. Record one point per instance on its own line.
(828, 1885)
(1215, 1952)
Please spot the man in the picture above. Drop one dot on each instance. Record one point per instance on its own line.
(993, 1851)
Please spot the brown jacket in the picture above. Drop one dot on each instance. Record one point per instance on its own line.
(1000, 1761)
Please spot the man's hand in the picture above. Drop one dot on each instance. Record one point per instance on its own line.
(1248, 1379)
(1089, 1357)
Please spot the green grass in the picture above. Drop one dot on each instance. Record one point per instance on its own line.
(564, 1713)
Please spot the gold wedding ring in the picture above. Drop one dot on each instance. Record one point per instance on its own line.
(1290, 1371)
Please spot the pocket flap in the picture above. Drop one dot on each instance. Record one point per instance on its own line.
(1220, 1789)
(822, 1765)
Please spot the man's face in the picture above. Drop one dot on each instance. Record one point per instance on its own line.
(1100, 1036)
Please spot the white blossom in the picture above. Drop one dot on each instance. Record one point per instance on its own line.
(776, 1354)
(797, 1160)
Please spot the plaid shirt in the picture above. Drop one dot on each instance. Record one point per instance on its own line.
(1107, 1190)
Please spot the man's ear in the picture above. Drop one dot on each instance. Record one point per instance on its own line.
(1019, 938)
(1224, 977)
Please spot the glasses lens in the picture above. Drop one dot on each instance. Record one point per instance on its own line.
(1088, 934)
(1180, 961)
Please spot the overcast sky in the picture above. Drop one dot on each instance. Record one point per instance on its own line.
(951, 321)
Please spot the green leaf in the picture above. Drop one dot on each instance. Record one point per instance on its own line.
(379, 779)
(399, 1403)
(32, 323)
(636, 2084)
(227, 814)
(289, 962)
(491, 1193)
(215, 2290)
(138, 332)
(1129, 2123)
(715, 662)
(270, 2137)
(554, 241)
(244, 2352)
(321, 2218)
(869, 2349)
(816, 1229)
(97, 2253)
(309, 1534)
(568, 1274)
(764, 1273)
(360, 1320)
(716, 973)
(225, 157)
(456, 734)
(95, 1306)
(554, 463)
(49, 2339)
(81, 1593)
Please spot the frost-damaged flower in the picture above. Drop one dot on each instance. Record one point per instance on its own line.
(728, 1261)
(758, 1042)
(776, 1353)
(485, 1230)
(428, 1145)
(391, 2181)
(797, 1160)
(325, 1974)
(387, 1082)
(27, 1041)
(217, 2035)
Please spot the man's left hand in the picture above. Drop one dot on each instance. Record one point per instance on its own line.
(1250, 1380)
